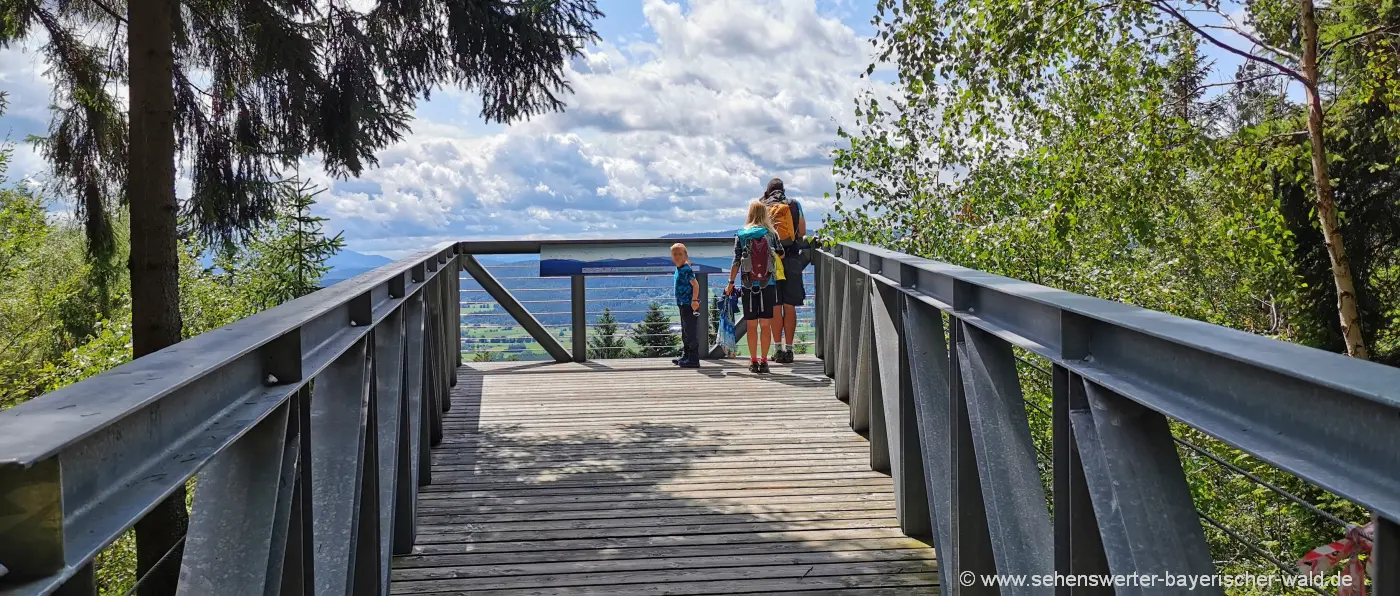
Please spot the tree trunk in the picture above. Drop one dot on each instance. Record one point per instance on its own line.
(1326, 202)
(155, 289)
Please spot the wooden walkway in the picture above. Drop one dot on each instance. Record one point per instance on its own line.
(633, 477)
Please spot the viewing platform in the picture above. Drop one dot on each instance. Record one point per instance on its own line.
(380, 437)
(634, 477)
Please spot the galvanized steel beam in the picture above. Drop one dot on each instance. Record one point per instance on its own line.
(950, 468)
(1284, 403)
(340, 422)
(818, 313)
(391, 431)
(1078, 548)
(517, 311)
(1142, 503)
(236, 506)
(1018, 522)
(578, 301)
(899, 422)
(861, 376)
(848, 314)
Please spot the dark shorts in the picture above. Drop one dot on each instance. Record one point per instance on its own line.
(791, 290)
(758, 304)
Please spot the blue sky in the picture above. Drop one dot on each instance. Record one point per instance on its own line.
(681, 114)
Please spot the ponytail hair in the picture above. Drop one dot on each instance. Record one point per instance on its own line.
(758, 216)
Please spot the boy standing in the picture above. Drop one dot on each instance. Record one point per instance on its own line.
(688, 303)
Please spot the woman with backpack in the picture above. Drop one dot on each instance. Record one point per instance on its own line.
(756, 250)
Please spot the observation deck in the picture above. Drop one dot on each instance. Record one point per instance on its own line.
(947, 422)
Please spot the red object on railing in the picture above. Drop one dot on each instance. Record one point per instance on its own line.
(1349, 549)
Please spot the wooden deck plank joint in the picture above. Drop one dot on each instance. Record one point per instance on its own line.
(634, 477)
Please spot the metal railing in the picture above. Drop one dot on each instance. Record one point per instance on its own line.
(308, 426)
(489, 331)
(509, 310)
(928, 357)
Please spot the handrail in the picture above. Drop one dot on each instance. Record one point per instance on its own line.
(308, 425)
(350, 381)
(923, 352)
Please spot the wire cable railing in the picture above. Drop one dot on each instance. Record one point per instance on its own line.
(489, 328)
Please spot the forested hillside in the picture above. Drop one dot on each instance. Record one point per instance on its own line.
(1232, 163)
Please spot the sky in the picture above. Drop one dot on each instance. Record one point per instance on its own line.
(680, 115)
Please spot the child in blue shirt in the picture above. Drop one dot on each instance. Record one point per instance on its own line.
(688, 303)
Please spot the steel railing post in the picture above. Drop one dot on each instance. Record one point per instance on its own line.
(849, 310)
(432, 364)
(896, 413)
(1385, 557)
(236, 505)
(456, 301)
(419, 403)
(1014, 497)
(340, 425)
(578, 303)
(1078, 548)
(830, 303)
(1146, 517)
(818, 300)
(389, 399)
(702, 318)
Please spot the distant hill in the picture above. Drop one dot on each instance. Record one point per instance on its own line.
(721, 234)
(348, 263)
(349, 259)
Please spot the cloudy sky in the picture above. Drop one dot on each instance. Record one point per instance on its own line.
(680, 115)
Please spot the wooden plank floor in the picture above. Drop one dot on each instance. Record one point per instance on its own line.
(633, 477)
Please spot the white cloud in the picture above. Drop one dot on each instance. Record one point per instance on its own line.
(672, 128)
(676, 133)
(23, 80)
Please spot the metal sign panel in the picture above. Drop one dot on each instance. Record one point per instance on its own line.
(563, 260)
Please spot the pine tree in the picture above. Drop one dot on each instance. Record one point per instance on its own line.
(653, 335)
(605, 342)
(714, 324)
(287, 259)
(241, 91)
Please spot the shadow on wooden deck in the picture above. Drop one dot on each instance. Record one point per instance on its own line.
(639, 478)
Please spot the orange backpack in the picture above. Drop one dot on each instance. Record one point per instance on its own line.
(780, 211)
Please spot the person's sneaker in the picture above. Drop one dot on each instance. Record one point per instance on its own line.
(763, 367)
(784, 357)
(753, 366)
(689, 364)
